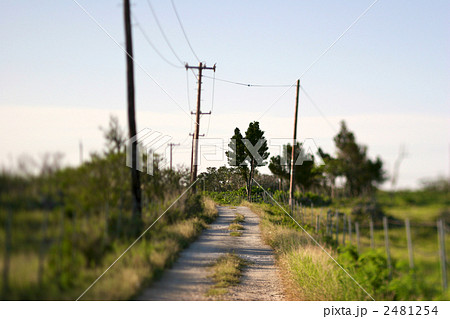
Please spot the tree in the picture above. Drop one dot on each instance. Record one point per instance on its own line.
(114, 136)
(222, 179)
(361, 173)
(305, 175)
(248, 153)
(331, 171)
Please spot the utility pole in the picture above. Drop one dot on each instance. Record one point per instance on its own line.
(135, 180)
(294, 142)
(81, 152)
(171, 145)
(194, 155)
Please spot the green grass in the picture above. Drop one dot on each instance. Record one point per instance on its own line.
(239, 218)
(226, 272)
(74, 262)
(311, 275)
(235, 227)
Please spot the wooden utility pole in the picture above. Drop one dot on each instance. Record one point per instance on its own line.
(294, 142)
(135, 180)
(194, 157)
(81, 152)
(171, 145)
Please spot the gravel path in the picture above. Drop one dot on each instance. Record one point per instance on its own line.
(188, 278)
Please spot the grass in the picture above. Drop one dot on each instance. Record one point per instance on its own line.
(309, 274)
(67, 269)
(236, 228)
(235, 234)
(239, 218)
(226, 272)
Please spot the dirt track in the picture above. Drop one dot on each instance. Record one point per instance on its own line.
(188, 278)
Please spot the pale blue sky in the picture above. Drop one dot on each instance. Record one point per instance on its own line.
(393, 62)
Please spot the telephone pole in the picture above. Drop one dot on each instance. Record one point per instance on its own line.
(294, 142)
(135, 180)
(171, 145)
(194, 157)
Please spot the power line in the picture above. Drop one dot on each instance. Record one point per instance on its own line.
(318, 109)
(184, 31)
(135, 61)
(323, 53)
(342, 34)
(249, 84)
(212, 102)
(146, 37)
(163, 33)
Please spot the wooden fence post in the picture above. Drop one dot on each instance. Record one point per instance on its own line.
(358, 245)
(312, 214)
(327, 223)
(337, 227)
(317, 223)
(302, 214)
(410, 247)
(343, 229)
(349, 229)
(60, 243)
(386, 241)
(6, 261)
(43, 247)
(105, 234)
(372, 240)
(441, 240)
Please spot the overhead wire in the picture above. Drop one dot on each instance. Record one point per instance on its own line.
(147, 39)
(184, 31)
(249, 84)
(212, 102)
(318, 109)
(130, 56)
(324, 52)
(163, 33)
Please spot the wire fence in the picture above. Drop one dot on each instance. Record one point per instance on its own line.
(410, 240)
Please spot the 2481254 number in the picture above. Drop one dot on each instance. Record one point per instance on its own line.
(410, 310)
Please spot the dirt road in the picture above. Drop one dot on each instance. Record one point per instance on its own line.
(188, 278)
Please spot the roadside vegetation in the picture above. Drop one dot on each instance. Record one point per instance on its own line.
(343, 191)
(64, 226)
(236, 227)
(309, 274)
(226, 272)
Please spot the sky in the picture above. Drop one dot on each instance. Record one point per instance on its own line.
(62, 75)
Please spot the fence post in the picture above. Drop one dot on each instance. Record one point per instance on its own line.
(386, 241)
(372, 240)
(6, 261)
(358, 245)
(441, 240)
(343, 229)
(349, 229)
(337, 227)
(410, 247)
(105, 234)
(312, 214)
(301, 213)
(327, 223)
(43, 247)
(60, 243)
(317, 223)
